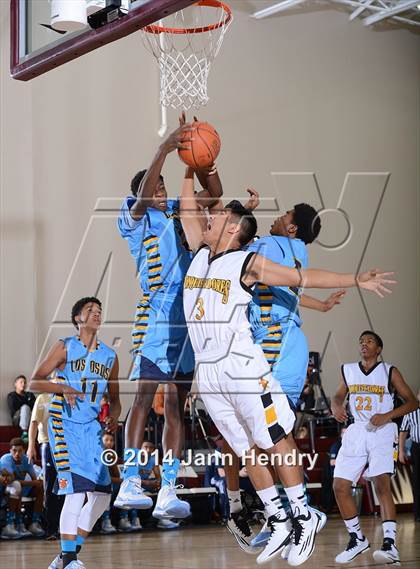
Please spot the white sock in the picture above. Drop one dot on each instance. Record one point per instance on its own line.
(272, 503)
(235, 504)
(298, 502)
(353, 526)
(390, 529)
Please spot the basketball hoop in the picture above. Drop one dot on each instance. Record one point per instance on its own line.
(185, 45)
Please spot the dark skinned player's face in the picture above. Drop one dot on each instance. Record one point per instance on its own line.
(368, 348)
(160, 197)
(282, 223)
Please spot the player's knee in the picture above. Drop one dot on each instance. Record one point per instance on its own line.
(341, 487)
(143, 402)
(382, 486)
(14, 489)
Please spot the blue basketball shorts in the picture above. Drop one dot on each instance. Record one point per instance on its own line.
(162, 348)
(77, 452)
(286, 350)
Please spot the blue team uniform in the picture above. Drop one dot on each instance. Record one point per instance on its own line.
(19, 470)
(274, 316)
(161, 346)
(75, 433)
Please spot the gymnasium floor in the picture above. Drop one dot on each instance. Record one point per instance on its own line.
(206, 547)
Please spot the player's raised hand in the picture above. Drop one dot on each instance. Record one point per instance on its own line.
(254, 199)
(333, 299)
(339, 412)
(375, 281)
(178, 139)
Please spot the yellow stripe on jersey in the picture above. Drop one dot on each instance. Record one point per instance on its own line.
(270, 415)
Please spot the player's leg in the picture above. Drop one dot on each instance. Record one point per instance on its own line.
(388, 552)
(131, 493)
(350, 463)
(96, 504)
(286, 350)
(231, 468)
(13, 491)
(270, 420)
(167, 504)
(237, 522)
(69, 518)
(223, 414)
(383, 452)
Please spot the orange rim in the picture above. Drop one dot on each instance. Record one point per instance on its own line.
(155, 29)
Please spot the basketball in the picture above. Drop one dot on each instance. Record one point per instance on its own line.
(204, 148)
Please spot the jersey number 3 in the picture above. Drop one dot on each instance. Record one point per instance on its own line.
(199, 309)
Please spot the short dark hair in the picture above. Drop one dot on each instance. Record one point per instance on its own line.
(78, 307)
(108, 433)
(17, 442)
(378, 339)
(136, 181)
(308, 222)
(247, 220)
(20, 376)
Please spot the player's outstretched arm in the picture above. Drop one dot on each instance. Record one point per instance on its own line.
(322, 305)
(410, 401)
(253, 200)
(114, 398)
(55, 359)
(150, 180)
(212, 187)
(192, 217)
(337, 402)
(264, 271)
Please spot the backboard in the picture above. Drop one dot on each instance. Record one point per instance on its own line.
(37, 47)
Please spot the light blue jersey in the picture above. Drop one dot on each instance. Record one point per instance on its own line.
(162, 350)
(75, 433)
(157, 244)
(277, 304)
(275, 320)
(87, 372)
(19, 470)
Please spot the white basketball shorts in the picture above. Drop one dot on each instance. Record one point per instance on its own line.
(378, 450)
(235, 389)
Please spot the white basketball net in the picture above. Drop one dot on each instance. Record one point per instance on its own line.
(185, 57)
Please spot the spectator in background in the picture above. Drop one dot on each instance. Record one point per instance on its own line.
(17, 464)
(327, 494)
(302, 432)
(411, 427)
(104, 412)
(307, 397)
(124, 523)
(20, 403)
(53, 503)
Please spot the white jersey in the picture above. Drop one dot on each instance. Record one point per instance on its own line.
(216, 301)
(369, 392)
